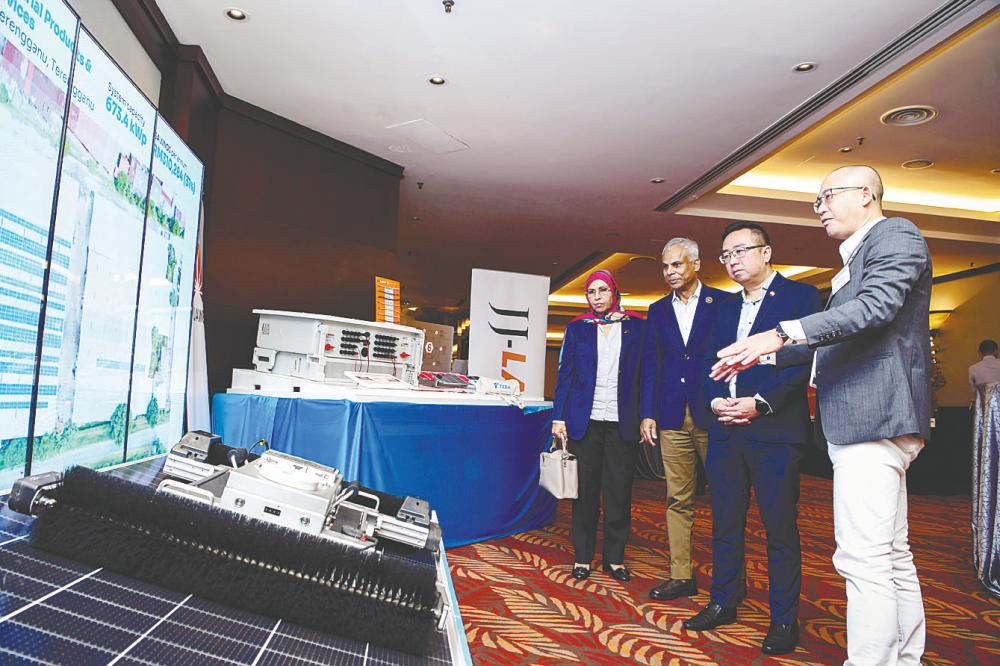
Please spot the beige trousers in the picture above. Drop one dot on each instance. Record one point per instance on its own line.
(680, 450)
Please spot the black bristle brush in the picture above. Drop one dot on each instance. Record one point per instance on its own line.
(170, 541)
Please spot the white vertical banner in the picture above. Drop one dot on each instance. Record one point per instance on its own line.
(508, 318)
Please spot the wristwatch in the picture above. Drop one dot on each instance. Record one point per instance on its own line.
(781, 333)
(762, 407)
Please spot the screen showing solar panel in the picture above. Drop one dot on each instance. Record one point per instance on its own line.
(35, 61)
(100, 216)
(54, 610)
(163, 324)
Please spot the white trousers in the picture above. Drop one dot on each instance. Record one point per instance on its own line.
(885, 612)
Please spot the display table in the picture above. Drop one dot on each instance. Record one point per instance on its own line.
(986, 487)
(474, 460)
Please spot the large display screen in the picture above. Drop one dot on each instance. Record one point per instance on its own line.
(163, 328)
(99, 221)
(36, 52)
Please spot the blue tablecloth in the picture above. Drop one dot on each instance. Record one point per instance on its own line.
(477, 465)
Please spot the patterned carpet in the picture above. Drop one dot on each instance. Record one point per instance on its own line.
(520, 605)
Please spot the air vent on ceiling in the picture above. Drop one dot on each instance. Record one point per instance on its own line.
(940, 17)
(905, 116)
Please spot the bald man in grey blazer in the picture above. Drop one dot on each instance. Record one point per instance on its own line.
(871, 353)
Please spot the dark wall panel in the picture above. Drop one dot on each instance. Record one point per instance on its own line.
(292, 224)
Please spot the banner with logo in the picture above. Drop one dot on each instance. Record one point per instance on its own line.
(509, 315)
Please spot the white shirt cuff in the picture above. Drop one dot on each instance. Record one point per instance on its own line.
(767, 359)
(758, 396)
(793, 329)
(559, 422)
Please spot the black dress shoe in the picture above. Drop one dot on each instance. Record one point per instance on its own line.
(712, 616)
(581, 573)
(672, 589)
(621, 573)
(780, 639)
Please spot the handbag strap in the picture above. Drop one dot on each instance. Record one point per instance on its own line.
(562, 441)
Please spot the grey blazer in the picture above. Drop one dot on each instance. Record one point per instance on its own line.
(873, 341)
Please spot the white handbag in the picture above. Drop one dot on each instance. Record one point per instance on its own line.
(557, 472)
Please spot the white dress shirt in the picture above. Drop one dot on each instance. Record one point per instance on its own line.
(609, 347)
(685, 311)
(984, 372)
(748, 314)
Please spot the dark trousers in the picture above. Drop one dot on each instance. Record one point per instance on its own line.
(773, 471)
(605, 465)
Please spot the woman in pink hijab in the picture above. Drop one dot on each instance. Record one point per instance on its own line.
(596, 410)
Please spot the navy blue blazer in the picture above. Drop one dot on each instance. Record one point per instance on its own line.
(577, 379)
(784, 389)
(672, 372)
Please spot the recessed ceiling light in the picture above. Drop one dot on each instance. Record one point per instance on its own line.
(237, 14)
(917, 164)
(656, 181)
(907, 116)
(846, 149)
(415, 218)
(995, 171)
(437, 80)
(804, 67)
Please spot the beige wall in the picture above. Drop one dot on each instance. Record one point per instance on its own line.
(975, 305)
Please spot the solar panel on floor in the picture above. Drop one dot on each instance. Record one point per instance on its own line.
(56, 611)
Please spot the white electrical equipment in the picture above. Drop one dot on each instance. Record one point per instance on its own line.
(322, 348)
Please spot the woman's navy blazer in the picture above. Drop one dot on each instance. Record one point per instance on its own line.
(577, 377)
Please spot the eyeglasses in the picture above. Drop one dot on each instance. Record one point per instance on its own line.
(737, 253)
(825, 196)
(599, 291)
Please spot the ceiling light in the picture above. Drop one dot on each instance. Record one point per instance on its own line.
(907, 116)
(995, 171)
(415, 218)
(656, 181)
(917, 164)
(777, 185)
(804, 67)
(437, 80)
(237, 14)
(846, 149)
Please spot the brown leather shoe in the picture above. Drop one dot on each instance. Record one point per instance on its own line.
(673, 589)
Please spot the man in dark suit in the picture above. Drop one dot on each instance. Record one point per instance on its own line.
(763, 420)
(870, 350)
(671, 404)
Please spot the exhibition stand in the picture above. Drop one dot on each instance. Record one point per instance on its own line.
(474, 458)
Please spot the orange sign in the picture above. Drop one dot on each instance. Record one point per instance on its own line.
(387, 304)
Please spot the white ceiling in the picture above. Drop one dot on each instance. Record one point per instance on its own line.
(562, 110)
